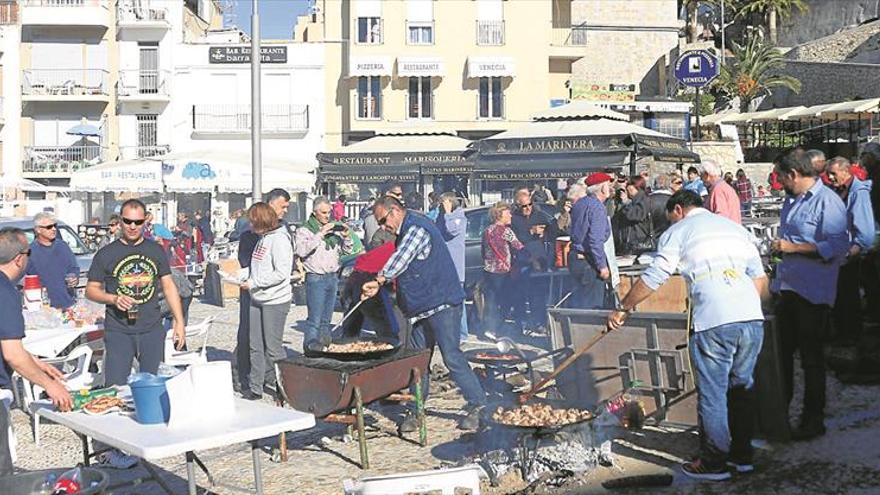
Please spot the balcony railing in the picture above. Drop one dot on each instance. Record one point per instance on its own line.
(133, 12)
(64, 3)
(490, 33)
(64, 82)
(234, 119)
(568, 36)
(61, 159)
(147, 83)
(8, 12)
(135, 152)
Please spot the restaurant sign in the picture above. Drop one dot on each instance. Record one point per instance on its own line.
(551, 145)
(664, 149)
(241, 54)
(415, 159)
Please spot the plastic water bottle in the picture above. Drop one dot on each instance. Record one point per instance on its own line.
(69, 482)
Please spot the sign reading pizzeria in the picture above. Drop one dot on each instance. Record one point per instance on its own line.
(241, 54)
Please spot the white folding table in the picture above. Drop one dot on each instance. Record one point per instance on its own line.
(252, 421)
(49, 342)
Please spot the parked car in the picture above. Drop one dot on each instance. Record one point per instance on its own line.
(83, 254)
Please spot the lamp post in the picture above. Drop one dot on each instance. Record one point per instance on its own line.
(256, 109)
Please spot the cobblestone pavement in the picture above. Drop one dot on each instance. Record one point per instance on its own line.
(847, 459)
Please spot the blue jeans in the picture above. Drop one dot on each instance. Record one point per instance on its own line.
(443, 330)
(320, 302)
(724, 360)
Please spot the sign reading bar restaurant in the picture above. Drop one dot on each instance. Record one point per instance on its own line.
(242, 54)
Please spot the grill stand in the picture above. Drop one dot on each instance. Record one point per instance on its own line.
(357, 419)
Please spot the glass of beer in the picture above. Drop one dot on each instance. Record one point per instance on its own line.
(132, 313)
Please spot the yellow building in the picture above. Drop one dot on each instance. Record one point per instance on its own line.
(477, 67)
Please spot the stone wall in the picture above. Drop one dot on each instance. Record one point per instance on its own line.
(825, 17)
(827, 83)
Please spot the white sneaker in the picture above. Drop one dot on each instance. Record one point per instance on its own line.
(117, 460)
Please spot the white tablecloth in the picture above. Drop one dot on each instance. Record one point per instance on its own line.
(49, 342)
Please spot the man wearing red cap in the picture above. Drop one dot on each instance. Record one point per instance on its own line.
(592, 259)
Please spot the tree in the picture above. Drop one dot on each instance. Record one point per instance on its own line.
(754, 71)
(771, 10)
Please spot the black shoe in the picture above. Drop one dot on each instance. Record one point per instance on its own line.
(251, 395)
(313, 348)
(409, 424)
(808, 430)
(471, 419)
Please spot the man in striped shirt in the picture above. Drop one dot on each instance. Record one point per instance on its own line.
(726, 282)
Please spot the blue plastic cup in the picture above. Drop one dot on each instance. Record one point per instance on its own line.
(150, 398)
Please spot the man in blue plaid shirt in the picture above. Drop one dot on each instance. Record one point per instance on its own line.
(430, 296)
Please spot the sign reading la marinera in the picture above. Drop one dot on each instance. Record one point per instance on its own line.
(551, 145)
(241, 54)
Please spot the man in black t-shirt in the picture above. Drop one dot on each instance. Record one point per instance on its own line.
(127, 275)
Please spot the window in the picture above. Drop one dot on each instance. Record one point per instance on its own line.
(369, 30)
(147, 131)
(491, 98)
(369, 97)
(421, 98)
(420, 33)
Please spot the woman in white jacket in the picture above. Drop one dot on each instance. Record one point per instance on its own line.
(271, 293)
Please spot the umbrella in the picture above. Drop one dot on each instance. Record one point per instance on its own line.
(84, 130)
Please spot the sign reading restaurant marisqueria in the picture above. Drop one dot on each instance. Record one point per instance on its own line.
(439, 158)
(241, 54)
(551, 145)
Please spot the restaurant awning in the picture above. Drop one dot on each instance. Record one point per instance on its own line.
(397, 157)
(852, 109)
(370, 66)
(191, 172)
(491, 67)
(420, 67)
(572, 147)
(579, 110)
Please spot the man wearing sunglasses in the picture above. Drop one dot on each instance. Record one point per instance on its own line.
(127, 276)
(430, 296)
(537, 231)
(52, 260)
(14, 253)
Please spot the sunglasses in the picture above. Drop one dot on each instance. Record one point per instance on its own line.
(384, 219)
(51, 226)
(678, 182)
(527, 205)
(114, 224)
(130, 221)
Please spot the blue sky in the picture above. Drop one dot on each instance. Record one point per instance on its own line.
(277, 17)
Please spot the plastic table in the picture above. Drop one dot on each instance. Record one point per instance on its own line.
(49, 342)
(251, 422)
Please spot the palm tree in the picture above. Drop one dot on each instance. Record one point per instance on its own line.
(754, 71)
(771, 9)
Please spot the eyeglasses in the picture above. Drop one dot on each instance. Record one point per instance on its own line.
(384, 219)
(51, 226)
(130, 221)
(523, 207)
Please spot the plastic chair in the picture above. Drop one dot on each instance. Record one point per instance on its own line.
(79, 378)
(194, 333)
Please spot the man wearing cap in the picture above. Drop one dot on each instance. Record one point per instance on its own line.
(592, 259)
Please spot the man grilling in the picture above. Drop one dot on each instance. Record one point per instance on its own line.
(430, 296)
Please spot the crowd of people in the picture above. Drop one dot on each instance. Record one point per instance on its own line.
(409, 271)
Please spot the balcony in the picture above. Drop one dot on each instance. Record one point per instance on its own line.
(142, 16)
(224, 121)
(94, 13)
(490, 33)
(60, 161)
(568, 42)
(65, 85)
(143, 85)
(135, 152)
